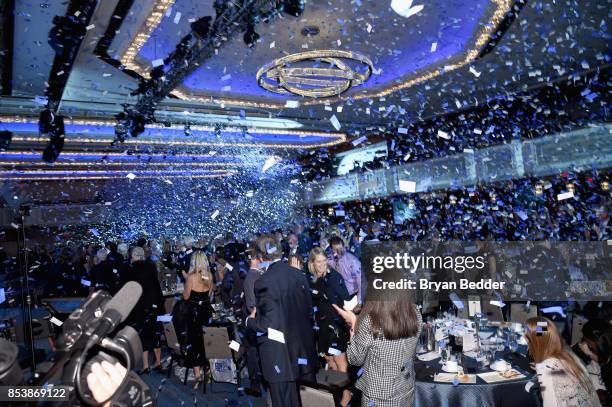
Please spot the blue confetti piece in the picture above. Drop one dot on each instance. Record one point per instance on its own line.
(277, 369)
(455, 382)
(360, 372)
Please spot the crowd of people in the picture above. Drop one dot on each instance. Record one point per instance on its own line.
(289, 289)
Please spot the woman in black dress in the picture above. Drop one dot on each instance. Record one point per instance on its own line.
(198, 290)
(327, 286)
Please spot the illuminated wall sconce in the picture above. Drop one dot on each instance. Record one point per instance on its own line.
(570, 188)
(372, 208)
(493, 196)
(605, 185)
(452, 199)
(330, 211)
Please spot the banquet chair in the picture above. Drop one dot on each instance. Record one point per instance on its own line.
(492, 312)
(314, 395)
(519, 313)
(216, 346)
(327, 391)
(176, 351)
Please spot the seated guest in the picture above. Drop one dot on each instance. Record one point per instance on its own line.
(198, 289)
(328, 289)
(283, 316)
(595, 349)
(383, 340)
(563, 379)
(143, 317)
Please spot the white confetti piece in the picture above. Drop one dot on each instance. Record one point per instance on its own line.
(359, 140)
(56, 321)
(334, 121)
(404, 8)
(443, 134)
(130, 176)
(564, 196)
(177, 17)
(215, 214)
(157, 62)
(351, 304)
(292, 104)
(235, 346)
(474, 72)
(275, 335)
(272, 44)
(407, 186)
(434, 47)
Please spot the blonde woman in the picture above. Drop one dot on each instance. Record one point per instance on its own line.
(198, 289)
(328, 289)
(564, 381)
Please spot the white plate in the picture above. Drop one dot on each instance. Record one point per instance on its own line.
(447, 370)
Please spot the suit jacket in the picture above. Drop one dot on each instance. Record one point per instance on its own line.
(283, 303)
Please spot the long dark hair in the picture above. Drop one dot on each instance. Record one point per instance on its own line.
(393, 316)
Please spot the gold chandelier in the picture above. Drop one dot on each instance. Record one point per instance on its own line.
(287, 75)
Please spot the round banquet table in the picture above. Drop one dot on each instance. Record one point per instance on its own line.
(481, 394)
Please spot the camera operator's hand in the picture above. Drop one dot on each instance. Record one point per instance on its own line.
(104, 380)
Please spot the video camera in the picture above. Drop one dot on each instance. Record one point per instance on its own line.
(85, 340)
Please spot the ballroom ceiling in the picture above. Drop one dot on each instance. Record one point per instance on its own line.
(428, 64)
(397, 48)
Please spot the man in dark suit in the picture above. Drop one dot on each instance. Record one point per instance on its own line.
(283, 319)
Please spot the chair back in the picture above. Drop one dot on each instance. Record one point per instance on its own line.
(216, 343)
(316, 397)
(519, 313)
(171, 337)
(492, 312)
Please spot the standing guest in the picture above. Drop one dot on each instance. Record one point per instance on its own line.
(283, 315)
(564, 381)
(184, 256)
(383, 340)
(347, 265)
(151, 304)
(198, 289)
(113, 254)
(304, 240)
(122, 249)
(328, 289)
(292, 245)
(250, 336)
(102, 275)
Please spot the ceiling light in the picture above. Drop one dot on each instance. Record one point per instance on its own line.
(284, 76)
